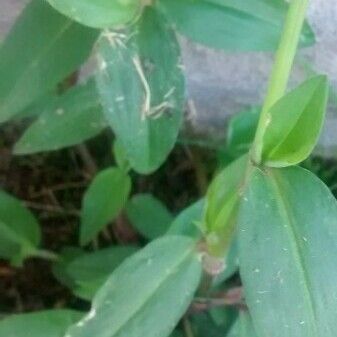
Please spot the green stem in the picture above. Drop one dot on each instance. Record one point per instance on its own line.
(187, 327)
(281, 71)
(46, 255)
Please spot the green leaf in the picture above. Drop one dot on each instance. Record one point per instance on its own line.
(104, 199)
(87, 290)
(90, 271)
(19, 230)
(295, 122)
(53, 323)
(223, 194)
(120, 156)
(99, 264)
(69, 120)
(142, 88)
(34, 60)
(222, 202)
(241, 131)
(177, 333)
(287, 249)
(37, 107)
(99, 13)
(240, 135)
(231, 263)
(204, 324)
(243, 327)
(234, 25)
(60, 266)
(147, 294)
(149, 215)
(84, 273)
(186, 223)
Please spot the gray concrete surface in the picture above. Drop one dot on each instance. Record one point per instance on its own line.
(219, 84)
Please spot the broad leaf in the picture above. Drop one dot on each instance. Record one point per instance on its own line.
(156, 283)
(34, 60)
(287, 248)
(99, 13)
(243, 327)
(149, 215)
(142, 89)
(19, 230)
(89, 272)
(235, 25)
(295, 122)
(187, 223)
(69, 120)
(104, 199)
(53, 323)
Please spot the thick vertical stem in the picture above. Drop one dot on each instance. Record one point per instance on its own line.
(282, 67)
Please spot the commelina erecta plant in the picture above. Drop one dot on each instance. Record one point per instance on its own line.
(263, 215)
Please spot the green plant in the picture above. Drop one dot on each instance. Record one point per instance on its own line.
(262, 215)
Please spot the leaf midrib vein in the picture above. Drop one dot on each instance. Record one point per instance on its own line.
(285, 212)
(295, 124)
(161, 282)
(36, 60)
(238, 10)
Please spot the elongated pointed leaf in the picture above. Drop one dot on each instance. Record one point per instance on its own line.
(240, 135)
(120, 156)
(142, 89)
(223, 194)
(70, 120)
(287, 243)
(65, 257)
(295, 124)
(53, 323)
(89, 272)
(19, 230)
(98, 264)
(99, 14)
(149, 215)
(177, 333)
(231, 263)
(241, 131)
(33, 60)
(147, 294)
(186, 223)
(231, 24)
(222, 202)
(84, 273)
(38, 107)
(243, 327)
(104, 199)
(213, 323)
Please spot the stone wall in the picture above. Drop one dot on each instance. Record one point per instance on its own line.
(220, 84)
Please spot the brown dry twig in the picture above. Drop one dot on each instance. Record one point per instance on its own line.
(233, 298)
